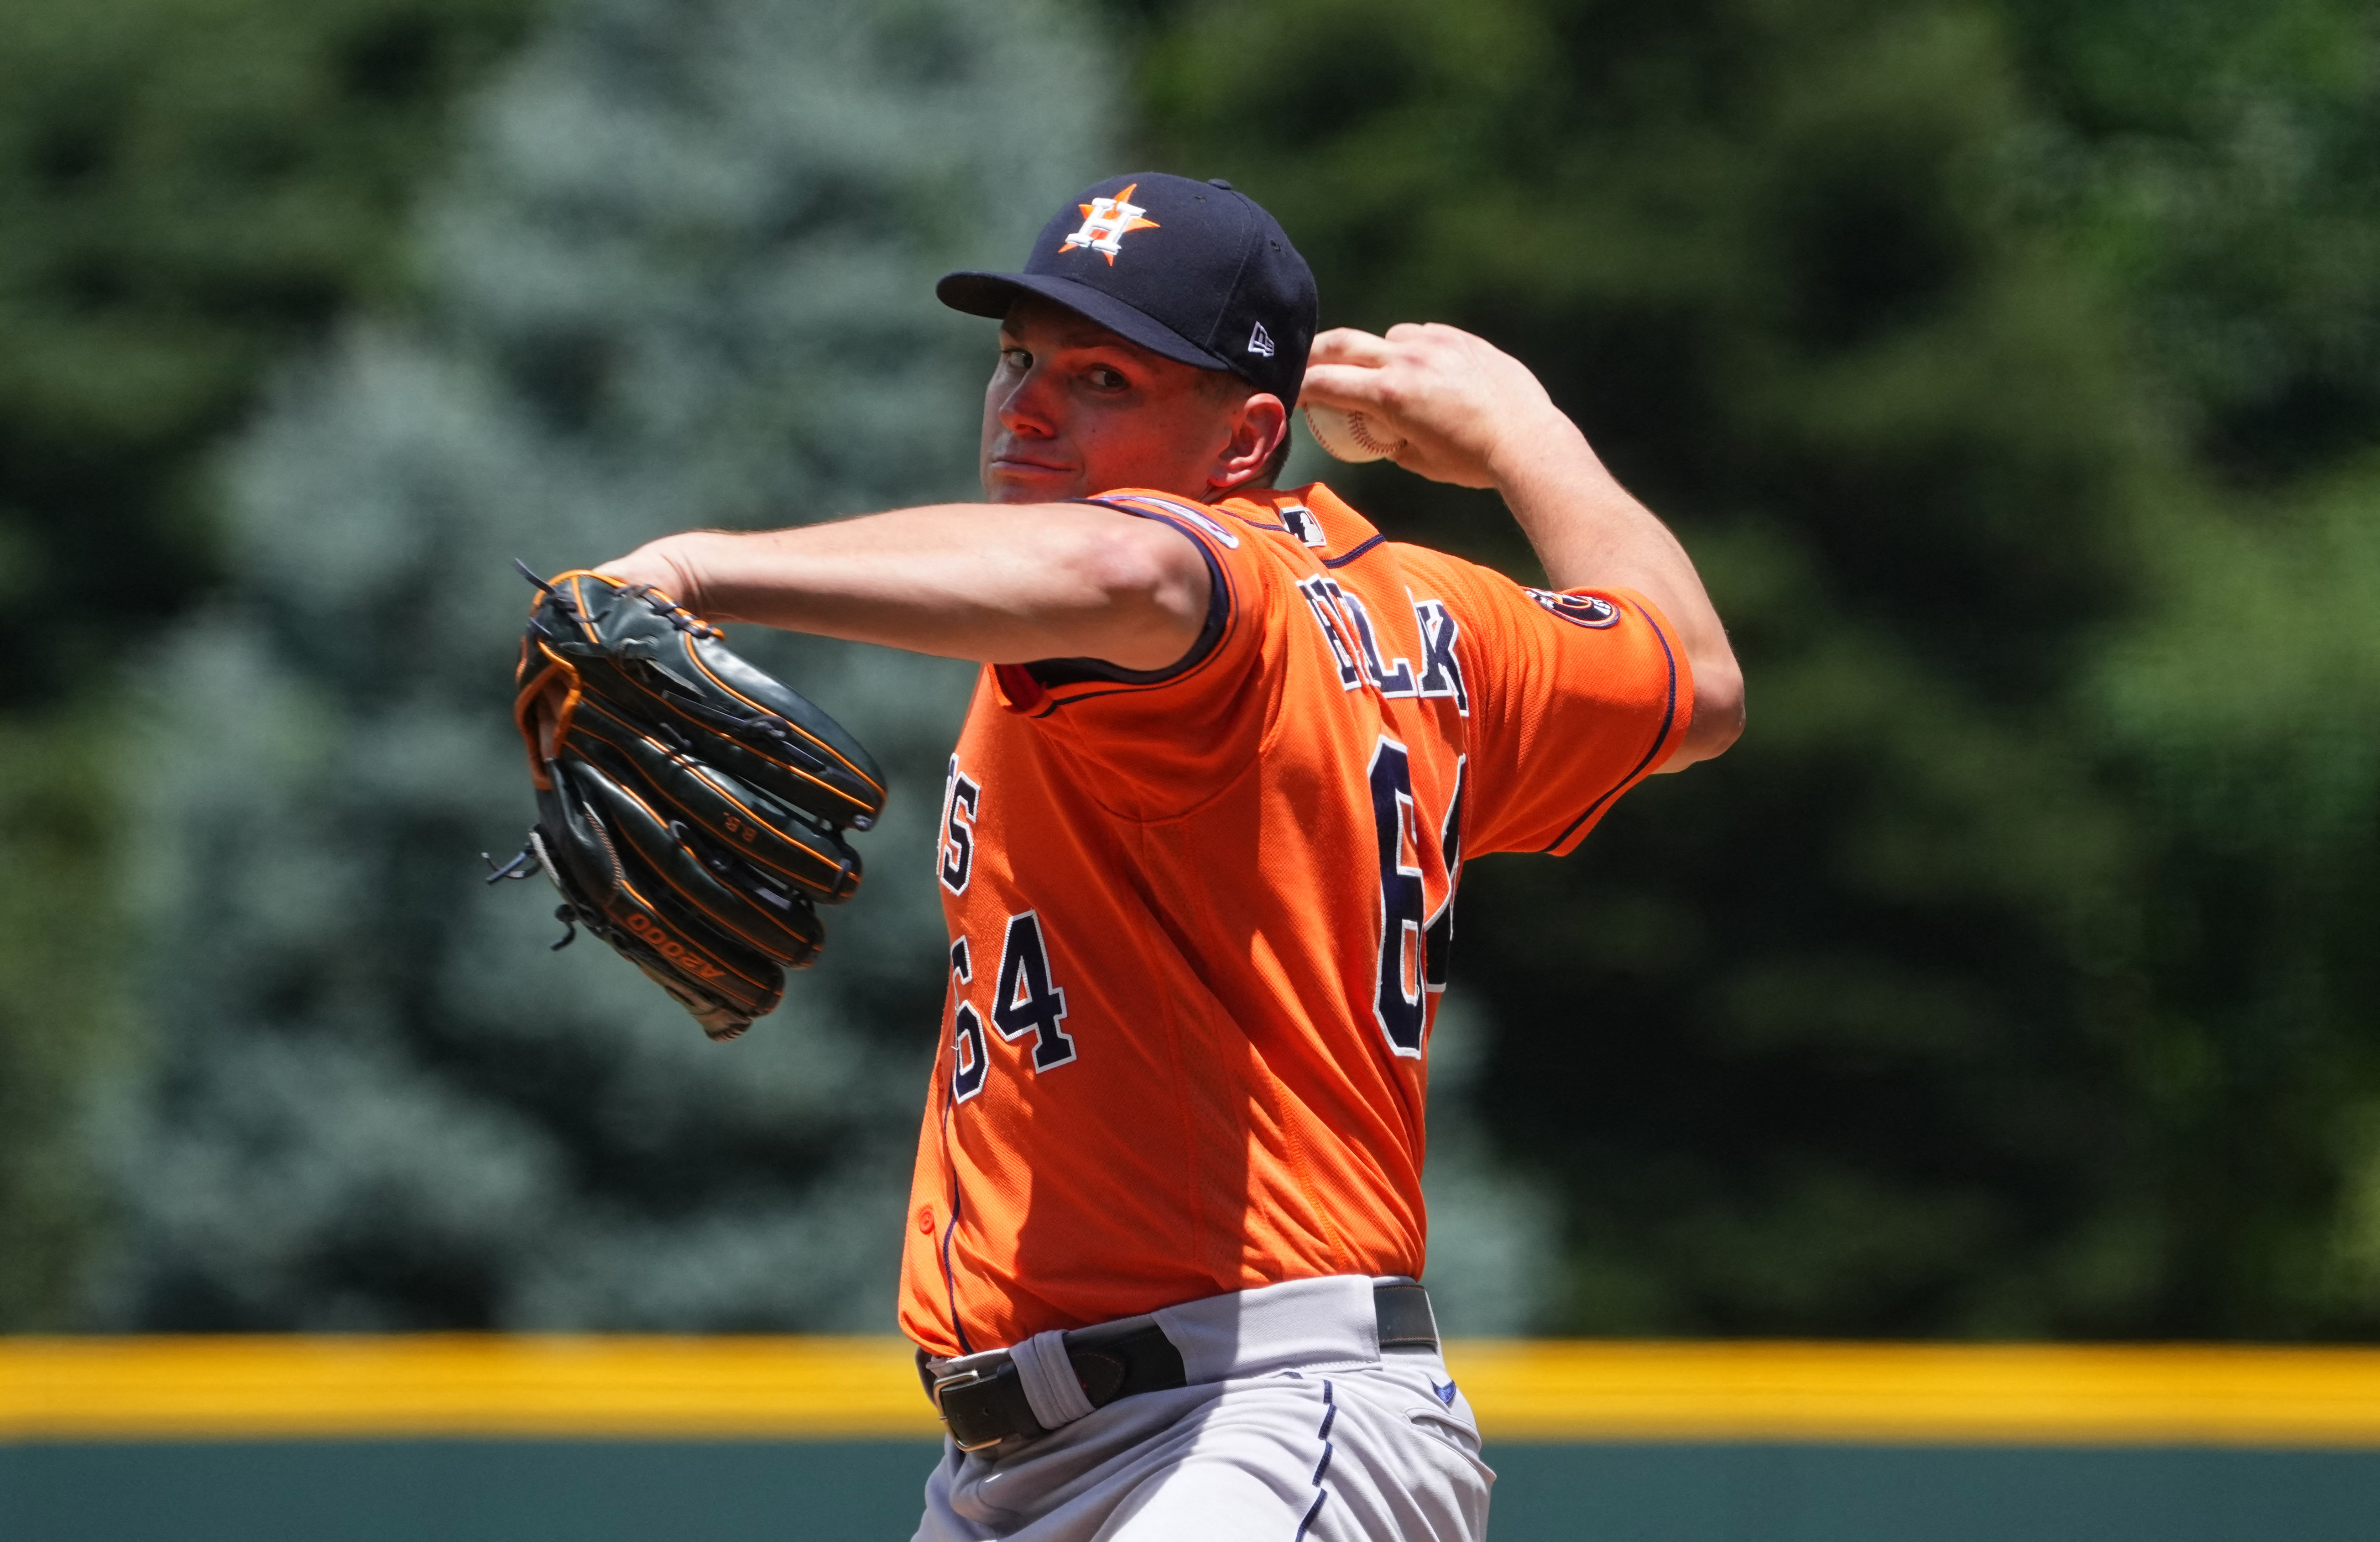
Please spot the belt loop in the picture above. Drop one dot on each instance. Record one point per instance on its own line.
(1050, 1387)
(1403, 1313)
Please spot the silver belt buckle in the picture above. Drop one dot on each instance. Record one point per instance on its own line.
(965, 1376)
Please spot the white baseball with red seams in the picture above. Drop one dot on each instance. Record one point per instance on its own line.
(1348, 436)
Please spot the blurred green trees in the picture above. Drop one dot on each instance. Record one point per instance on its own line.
(2001, 364)
(62, 948)
(187, 188)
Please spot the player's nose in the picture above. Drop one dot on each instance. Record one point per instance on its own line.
(1030, 406)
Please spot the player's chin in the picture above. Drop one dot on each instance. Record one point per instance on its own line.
(1021, 481)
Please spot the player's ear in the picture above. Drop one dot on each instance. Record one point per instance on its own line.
(1259, 427)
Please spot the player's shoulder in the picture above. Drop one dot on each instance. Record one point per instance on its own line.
(1312, 528)
(1312, 518)
(1333, 535)
(1301, 527)
(1315, 531)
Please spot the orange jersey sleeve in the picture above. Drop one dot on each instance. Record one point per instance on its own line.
(1578, 695)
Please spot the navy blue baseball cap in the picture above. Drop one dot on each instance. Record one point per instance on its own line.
(1190, 270)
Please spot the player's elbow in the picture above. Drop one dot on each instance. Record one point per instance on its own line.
(1717, 722)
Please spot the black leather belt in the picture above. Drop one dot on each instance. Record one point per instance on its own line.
(982, 1397)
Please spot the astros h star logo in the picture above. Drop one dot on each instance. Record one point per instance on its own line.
(1106, 222)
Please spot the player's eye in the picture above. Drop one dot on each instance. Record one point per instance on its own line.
(1015, 361)
(1105, 378)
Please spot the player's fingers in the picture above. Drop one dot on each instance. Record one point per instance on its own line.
(1348, 346)
(1346, 386)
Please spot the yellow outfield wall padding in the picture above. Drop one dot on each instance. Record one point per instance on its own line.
(1966, 1394)
(441, 1384)
(242, 1387)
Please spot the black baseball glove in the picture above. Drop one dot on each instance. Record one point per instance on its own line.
(690, 808)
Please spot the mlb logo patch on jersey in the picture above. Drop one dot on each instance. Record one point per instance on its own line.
(1303, 524)
(1579, 609)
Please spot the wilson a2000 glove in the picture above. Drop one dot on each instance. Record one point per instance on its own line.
(690, 808)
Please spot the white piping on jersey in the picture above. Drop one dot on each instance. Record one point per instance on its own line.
(1191, 512)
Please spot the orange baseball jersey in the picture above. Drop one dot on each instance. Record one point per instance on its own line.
(1198, 916)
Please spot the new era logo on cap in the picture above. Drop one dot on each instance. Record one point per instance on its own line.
(1192, 270)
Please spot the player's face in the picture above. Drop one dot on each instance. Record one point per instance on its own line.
(1073, 410)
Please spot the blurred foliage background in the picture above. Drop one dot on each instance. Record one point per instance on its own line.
(2012, 367)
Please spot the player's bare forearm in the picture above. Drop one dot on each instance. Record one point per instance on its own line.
(1474, 415)
(1589, 531)
(994, 583)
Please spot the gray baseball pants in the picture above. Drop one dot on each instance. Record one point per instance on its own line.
(1294, 1426)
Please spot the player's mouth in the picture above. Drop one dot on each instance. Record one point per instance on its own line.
(1024, 472)
(1028, 465)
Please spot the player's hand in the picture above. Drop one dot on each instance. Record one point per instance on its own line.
(648, 563)
(654, 562)
(1464, 408)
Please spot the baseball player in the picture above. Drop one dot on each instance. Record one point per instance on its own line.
(1202, 838)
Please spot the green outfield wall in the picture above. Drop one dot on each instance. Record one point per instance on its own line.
(462, 1439)
(847, 1492)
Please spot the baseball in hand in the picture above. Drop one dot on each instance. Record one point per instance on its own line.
(1349, 435)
